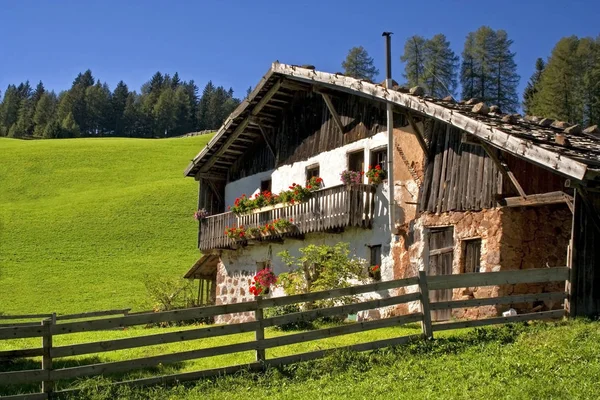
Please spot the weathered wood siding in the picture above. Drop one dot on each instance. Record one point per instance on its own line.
(533, 179)
(307, 129)
(458, 176)
(585, 282)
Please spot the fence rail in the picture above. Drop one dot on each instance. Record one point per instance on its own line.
(418, 291)
(334, 207)
(54, 317)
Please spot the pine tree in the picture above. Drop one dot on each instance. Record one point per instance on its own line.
(359, 65)
(414, 60)
(164, 113)
(202, 115)
(118, 103)
(532, 86)
(97, 106)
(69, 127)
(44, 113)
(9, 112)
(175, 81)
(504, 74)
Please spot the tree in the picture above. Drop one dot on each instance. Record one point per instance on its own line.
(532, 86)
(164, 113)
(118, 102)
(9, 112)
(488, 71)
(414, 60)
(97, 105)
(440, 67)
(202, 115)
(44, 113)
(69, 127)
(359, 65)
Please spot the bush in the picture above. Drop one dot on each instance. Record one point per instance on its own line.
(285, 310)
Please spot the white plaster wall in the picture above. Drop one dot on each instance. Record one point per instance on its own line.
(331, 164)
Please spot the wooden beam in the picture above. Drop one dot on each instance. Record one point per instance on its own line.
(264, 135)
(535, 200)
(215, 191)
(503, 167)
(512, 144)
(265, 99)
(418, 134)
(334, 114)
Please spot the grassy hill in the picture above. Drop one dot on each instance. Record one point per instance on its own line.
(81, 221)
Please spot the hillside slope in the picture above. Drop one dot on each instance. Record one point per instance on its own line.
(82, 220)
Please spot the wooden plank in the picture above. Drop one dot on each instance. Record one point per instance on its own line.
(141, 319)
(442, 185)
(489, 301)
(339, 330)
(265, 137)
(499, 320)
(259, 335)
(21, 353)
(26, 316)
(425, 309)
(340, 310)
(328, 294)
(510, 143)
(498, 278)
(503, 167)
(443, 250)
(26, 376)
(92, 314)
(334, 114)
(19, 332)
(149, 340)
(26, 396)
(535, 200)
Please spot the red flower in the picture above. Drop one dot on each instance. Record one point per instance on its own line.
(319, 180)
(291, 220)
(308, 187)
(378, 166)
(370, 167)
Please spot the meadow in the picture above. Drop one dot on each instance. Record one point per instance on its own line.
(82, 221)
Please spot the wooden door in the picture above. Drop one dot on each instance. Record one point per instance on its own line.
(441, 254)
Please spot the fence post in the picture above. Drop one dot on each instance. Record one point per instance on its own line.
(260, 330)
(424, 290)
(47, 384)
(53, 318)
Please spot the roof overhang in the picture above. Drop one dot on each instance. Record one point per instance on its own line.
(524, 140)
(204, 268)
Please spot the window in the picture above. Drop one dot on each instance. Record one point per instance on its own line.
(379, 157)
(356, 161)
(312, 171)
(375, 256)
(260, 265)
(472, 255)
(265, 186)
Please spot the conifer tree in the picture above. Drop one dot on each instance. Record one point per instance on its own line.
(532, 86)
(44, 113)
(414, 60)
(358, 64)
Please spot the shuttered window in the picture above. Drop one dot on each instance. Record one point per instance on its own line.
(472, 255)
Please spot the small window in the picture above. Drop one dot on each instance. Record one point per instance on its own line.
(472, 255)
(265, 186)
(379, 157)
(356, 161)
(375, 256)
(312, 171)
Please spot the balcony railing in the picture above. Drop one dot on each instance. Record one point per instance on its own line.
(330, 208)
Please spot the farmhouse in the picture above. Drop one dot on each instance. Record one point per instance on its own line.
(472, 189)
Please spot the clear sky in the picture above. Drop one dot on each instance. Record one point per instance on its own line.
(234, 42)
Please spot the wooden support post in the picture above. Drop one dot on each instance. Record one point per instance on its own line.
(260, 331)
(425, 309)
(503, 167)
(47, 384)
(418, 134)
(53, 318)
(265, 137)
(334, 114)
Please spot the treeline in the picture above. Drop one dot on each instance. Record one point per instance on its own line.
(166, 106)
(565, 87)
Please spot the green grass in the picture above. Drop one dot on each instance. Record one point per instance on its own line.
(82, 220)
(539, 361)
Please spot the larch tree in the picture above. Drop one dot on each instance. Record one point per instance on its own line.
(488, 71)
(414, 60)
(441, 66)
(358, 64)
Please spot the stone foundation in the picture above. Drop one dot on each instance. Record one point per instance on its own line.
(233, 287)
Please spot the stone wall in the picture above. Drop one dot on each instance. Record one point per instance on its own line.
(233, 287)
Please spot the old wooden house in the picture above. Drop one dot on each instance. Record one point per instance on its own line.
(473, 190)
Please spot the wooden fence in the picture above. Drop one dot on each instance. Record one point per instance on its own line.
(54, 317)
(416, 290)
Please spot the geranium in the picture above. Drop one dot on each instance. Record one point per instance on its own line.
(242, 205)
(253, 232)
(314, 183)
(267, 229)
(262, 281)
(375, 272)
(351, 177)
(201, 214)
(376, 175)
(236, 233)
(282, 224)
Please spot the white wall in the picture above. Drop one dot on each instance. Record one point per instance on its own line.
(331, 165)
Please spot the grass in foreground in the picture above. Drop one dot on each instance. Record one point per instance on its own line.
(82, 220)
(541, 361)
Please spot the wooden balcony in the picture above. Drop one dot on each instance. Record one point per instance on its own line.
(328, 209)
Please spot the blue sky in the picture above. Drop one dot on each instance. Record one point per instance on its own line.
(234, 42)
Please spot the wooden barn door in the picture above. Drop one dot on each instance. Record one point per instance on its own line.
(441, 254)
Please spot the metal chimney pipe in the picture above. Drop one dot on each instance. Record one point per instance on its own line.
(390, 132)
